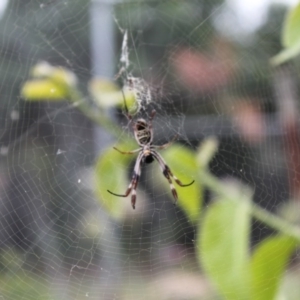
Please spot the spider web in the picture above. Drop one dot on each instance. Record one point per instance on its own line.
(204, 73)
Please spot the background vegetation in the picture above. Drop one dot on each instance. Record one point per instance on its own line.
(63, 236)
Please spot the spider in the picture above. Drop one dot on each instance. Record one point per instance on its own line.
(143, 134)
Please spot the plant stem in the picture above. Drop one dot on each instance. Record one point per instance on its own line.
(259, 213)
(93, 114)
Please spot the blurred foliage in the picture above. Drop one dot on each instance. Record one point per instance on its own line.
(223, 232)
(206, 152)
(153, 42)
(268, 265)
(106, 94)
(51, 83)
(17, 283)
(254, 75)
(223, 250)
(290, 37)
(223, 246)
(24, 285)
(182, 163)
(111, 174)
(148, 23)
(29, 33)
(150, 20)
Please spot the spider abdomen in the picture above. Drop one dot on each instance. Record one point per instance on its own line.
(143, 136)
(142, 132)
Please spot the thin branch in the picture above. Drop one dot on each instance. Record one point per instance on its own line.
(259, 213)
(93, 114)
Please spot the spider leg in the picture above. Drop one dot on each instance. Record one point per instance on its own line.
(168, 174)
(137, 172)
(127, 152)
(178, 181)
(126, 194)
(167, 169)
(133, 183)
(167, 144)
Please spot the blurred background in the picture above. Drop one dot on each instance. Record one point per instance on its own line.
(207, 65)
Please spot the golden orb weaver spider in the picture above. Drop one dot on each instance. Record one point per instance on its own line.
(147, 153)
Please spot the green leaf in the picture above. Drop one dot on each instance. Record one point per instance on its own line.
(111, 174)
(290, 33)
(290, 37)
(268, 263)
(59, 75)
(43, 89)
(107, 94)
(285, 55)
(182, 163)
(223, 247)
(207, 151)
(49, 83)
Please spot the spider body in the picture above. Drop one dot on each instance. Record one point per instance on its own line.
(142, 132)
(147, 153)
(148, 157)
